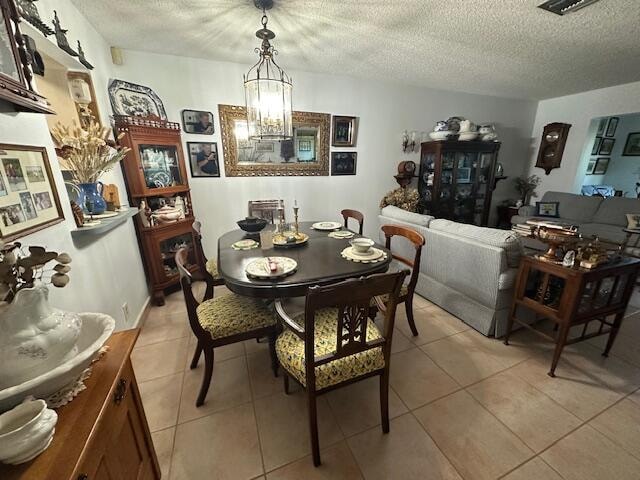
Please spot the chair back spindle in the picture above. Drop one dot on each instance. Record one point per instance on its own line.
(347, 214)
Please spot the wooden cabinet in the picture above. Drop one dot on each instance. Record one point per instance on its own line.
(457, 179)
(102, 434)
(156, 174)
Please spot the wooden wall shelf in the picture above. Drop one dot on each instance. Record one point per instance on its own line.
(105, 226)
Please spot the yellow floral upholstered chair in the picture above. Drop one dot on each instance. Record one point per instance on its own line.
(334, 343)
(222, 320)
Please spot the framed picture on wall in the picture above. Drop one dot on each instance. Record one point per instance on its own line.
(344, 131)
(28, 197)
(601, 166)
(602, 124)
(632, 147)
(611, 127)
(596, 145)
(197, 121)
(591, 166)
(343, 163)
(606, 146)
(203, 159)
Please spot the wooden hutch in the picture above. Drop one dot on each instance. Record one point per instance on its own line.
(457, 179)
(155, 174)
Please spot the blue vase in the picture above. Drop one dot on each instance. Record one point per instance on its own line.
(90, 198)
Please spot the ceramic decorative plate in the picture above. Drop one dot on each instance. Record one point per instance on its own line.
(248, 243)
(326, 226)
(136, 100)
(103, 215)
(281, 240)
(373, 256)
(259, 267)
(342, 234)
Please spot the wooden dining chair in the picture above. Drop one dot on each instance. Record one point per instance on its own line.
(347, 214)
(203, 263)
(336, 344)
(407, 291)
(223, 320)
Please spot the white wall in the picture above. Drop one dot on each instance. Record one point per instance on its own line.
(106, 273)
(385, 110)
(578, 110)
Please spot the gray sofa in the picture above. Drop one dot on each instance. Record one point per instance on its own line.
(604, 217)
(467, 270)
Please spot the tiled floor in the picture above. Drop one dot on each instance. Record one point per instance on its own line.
(462, 406)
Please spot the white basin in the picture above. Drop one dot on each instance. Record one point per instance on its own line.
(95, 330)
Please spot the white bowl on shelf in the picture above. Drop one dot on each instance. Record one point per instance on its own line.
(443, 135)
(466, 136)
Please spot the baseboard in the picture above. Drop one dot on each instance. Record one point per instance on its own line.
(142, 316)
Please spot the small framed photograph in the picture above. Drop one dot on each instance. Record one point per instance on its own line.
(611, 127)
(596, 145)
(463, 175)
(28, 197)
(344, 131)
(590, 166)
(203, 159)
(343, 163)
(197, 121)
(632, 147)
(602, 124)
(547, 209)
(601, 166)
(606, 146)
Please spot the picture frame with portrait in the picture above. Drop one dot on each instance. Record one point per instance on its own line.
(602, 164)
(28, 197)
(197, 122)
(344, 131)
(203, 159)
(343, 163)
(632, 146)
(606, 146)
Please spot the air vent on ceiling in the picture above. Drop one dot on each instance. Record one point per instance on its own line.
(562, 7)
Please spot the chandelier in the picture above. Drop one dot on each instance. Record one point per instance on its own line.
(267, 89)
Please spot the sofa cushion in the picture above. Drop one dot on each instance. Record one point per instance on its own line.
(505, 239)
(612, 233)
(577, 207)
(612, 210)
(406, 216)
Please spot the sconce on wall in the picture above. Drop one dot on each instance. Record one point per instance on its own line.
(411, 141)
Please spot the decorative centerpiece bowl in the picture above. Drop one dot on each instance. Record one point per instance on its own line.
(555, 238)
(252, 224)
(26, 431)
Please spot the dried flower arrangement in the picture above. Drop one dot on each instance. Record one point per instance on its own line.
(404, 198)
(20, 270)
(87, 152)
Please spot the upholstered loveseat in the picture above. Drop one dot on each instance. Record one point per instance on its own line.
(467, 270)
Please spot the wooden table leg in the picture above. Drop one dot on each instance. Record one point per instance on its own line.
(512, 314)
(561, 340)
(613, 334)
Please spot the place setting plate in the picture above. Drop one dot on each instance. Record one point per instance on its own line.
(260, 267)
(326, 226)
(246, 244)
(374, 255)
(280, 240)
(342, 234)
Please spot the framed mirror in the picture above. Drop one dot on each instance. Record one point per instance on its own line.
(307, 153)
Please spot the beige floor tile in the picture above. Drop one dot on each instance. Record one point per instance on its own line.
(337, 464)
(536, 419)
(283, 423)
(626, 345)
(161, 400)
(158, 317)
(573, 389)
(421, 302)
(534, 469)
(229, 387)
(478, 445)
(399, 342)
(221, 354)
(263, 382)
(222, 446)
(586, 454)
(635, 397)
(417, 379)
(163, 445)
(432, 324)
(469, 357)
(251, 346)
(406, 452)
(356, 407)
(159, 359)
(162, 333)
(621, 423)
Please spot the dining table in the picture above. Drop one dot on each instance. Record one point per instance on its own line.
(319, 262)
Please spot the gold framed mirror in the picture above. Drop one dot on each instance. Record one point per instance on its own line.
(307, 153)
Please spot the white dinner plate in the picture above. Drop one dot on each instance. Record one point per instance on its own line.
(326, 226)
(259, 267)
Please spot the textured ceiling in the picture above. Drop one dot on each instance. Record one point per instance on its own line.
(498, 47)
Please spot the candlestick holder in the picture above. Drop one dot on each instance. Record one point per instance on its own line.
(295, 215)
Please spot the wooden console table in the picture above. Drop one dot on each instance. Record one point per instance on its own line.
(103, 432)
(574, 296)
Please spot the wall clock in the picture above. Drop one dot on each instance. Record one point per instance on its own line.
(554, 138)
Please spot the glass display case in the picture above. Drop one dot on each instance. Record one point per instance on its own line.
(160, 166)
(457, 179)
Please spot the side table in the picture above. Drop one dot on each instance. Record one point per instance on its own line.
(504, 215)
(574, 296)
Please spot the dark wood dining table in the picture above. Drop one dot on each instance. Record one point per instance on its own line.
(319, 263)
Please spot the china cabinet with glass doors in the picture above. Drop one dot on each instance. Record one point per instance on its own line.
(457, 179)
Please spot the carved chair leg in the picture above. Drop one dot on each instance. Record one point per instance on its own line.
(313, 427)
(272, 351)
(208, 372)
(285, 377)
(384, 400)
(196, 356)
(408, 306)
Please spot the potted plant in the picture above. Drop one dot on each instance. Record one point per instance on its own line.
(526, 187)
(88, 153)
(34, 337)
